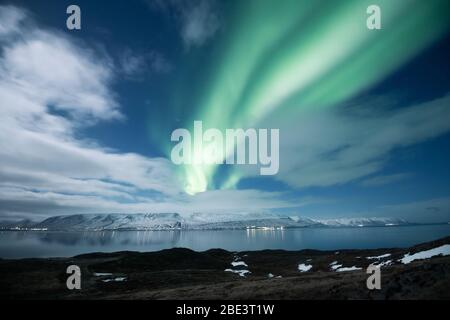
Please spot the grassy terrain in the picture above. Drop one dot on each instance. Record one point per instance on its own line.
(185, 274)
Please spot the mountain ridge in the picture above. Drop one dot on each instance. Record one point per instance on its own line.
(196, 221)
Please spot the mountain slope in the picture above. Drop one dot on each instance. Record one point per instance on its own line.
(115, 221)
(174, 221)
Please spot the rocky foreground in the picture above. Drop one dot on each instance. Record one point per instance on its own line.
(419, 272)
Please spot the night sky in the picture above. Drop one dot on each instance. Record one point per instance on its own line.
(364, 115)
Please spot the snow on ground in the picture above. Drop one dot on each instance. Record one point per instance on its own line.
(442, 250)
(383, 264)
(239, 263)
(339, 268)
(344, 269)
(379, 257)
(271, 275)
(118, 279)
(336, 266)
(102, 274)
(304, 267)
(242, 273)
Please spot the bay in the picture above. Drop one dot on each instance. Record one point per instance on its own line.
(34, 244)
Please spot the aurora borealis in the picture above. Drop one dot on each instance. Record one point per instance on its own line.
(285, 57)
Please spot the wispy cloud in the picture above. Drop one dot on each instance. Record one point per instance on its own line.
(431, 210)
(49, 89)
(385, 179)
(198, 19)
(134, 65)
(340, 145)
(19, 203)
(10, 20)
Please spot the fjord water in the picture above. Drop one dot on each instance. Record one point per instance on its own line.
(34, 244)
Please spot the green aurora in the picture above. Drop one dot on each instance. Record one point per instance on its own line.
(284, 57)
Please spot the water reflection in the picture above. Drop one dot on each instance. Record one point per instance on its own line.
(106, 238)
(21, 244)
(266, 233)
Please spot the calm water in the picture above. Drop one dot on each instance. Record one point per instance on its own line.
(64, 244)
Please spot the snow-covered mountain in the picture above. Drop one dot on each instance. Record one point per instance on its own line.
(22, 224)
(363, 222)
(256, 223)
(114, 221)
(196, 221)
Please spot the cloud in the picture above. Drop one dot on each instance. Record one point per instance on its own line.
(50, 88)
(384, 179)
(238, 201)
(18, 203)
(135, 65)
(327, 147)
(199, 24)
(198, 19)
(46, 69)
(423, 211)
(10, 20)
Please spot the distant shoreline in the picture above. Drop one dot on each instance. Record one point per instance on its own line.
(230, 229)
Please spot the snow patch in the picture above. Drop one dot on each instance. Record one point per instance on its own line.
(345, 269)
(102, 274)
(304, 267)
(383, 264)
(379, 257)
(239, 263)
(442, 250)
(118, 279)
(241, 273)
(336, 266)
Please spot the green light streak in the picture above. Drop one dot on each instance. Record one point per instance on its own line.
(287, 56)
